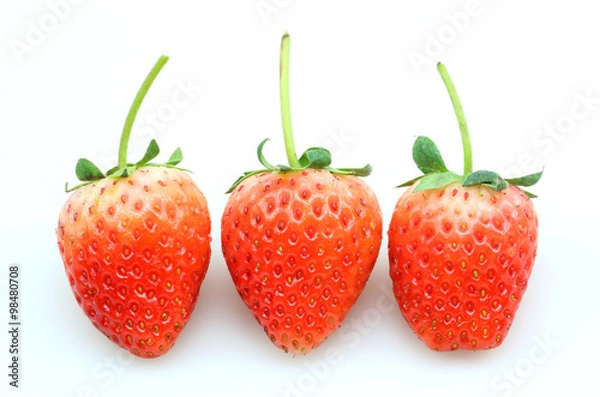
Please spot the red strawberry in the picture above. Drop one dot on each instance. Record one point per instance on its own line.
(300, 241)
(136, 245)
(461, 248)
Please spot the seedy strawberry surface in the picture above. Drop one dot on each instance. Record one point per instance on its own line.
(460, 258)
(300, 247)
(136, 250)
(461, 247)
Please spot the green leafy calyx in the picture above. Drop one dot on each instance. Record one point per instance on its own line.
(316, 158)
(87, 172)
(429, 160)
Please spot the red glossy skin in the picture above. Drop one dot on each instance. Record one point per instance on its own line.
(460, 259)
(136, 251)
(300, 247)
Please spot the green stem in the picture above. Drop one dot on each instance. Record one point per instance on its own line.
(284, 93)
(135, 106)
(460, 116)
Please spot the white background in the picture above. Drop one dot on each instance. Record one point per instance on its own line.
(518, 66)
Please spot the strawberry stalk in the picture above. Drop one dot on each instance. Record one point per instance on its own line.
(428, 159)
(314, 157)
(88, 173)
(460, 116)
(135, 107)
(284, 95)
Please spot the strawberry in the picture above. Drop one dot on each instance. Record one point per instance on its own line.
(135, 243)
(300, 241)
(461, 248)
